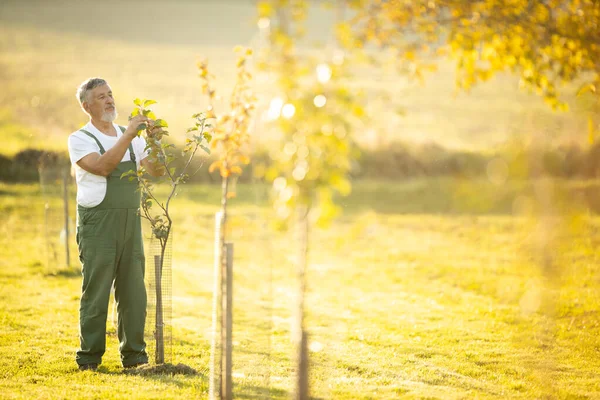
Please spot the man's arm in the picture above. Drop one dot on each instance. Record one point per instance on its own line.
(104, 164)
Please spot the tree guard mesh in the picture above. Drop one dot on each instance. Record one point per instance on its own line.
(159, 289)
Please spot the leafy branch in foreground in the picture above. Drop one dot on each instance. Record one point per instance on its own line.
(162, 156)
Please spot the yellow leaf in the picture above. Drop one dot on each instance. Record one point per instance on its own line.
(358, 111)
(265, 9)
(236, 170)
(214, 166)
(588, 87)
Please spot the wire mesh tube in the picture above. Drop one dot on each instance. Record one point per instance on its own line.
(160, 297)
(56, 185)
(160, 345)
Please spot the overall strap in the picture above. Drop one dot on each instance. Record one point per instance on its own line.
(102, 151)
(131, 153)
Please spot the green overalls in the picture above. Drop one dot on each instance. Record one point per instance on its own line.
(109, 237)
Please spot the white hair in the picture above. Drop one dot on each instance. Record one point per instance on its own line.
(87, 86)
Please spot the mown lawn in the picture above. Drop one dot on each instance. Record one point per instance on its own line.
(413, 293)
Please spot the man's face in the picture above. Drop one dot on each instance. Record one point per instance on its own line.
(100, 104)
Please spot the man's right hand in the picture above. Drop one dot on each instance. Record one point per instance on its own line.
(134, 123)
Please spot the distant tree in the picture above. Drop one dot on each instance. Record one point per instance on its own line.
(544, 42)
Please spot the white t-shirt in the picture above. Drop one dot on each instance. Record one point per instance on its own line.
(91, 188)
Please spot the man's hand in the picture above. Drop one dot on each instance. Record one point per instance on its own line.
(134, 126)
(155, 132)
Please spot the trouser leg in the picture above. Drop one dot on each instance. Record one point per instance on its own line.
(130, 293)
(97, 253)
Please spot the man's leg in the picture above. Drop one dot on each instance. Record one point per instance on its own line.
(97, 253)
(130, 293)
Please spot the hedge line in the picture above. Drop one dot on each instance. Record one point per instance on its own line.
(399, 161)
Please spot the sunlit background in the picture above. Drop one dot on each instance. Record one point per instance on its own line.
(452, 240)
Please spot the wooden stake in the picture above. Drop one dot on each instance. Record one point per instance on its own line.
(227, 322)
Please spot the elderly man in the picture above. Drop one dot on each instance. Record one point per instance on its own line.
(109, 232)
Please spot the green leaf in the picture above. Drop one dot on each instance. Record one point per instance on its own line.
(206, 149)
(208, 137)
(141, 127)
(137, 102)
(194, 128)
(161, 122)
(135, 112)
(149, 103)
(128, 173)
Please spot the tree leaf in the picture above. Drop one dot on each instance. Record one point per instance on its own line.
(206, 149)
(214, 166)
(161, 123)
(137, 102)
(149, 103)
(588, 87)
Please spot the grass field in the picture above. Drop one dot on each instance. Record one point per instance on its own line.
(447, 288)
(444, 302)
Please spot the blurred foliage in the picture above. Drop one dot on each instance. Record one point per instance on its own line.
(545, 42)
(317, 114)
(399, 161)
(231, 132)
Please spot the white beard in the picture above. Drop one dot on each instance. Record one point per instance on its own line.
(110, 116)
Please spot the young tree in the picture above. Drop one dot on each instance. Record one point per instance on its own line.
(231, 141)
(316, 113)
(159, 217)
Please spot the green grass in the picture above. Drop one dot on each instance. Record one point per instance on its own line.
(441, 302)
(424, 289)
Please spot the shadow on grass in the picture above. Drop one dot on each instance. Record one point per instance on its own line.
(167, 373)
(259, 392)
(262, 392)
